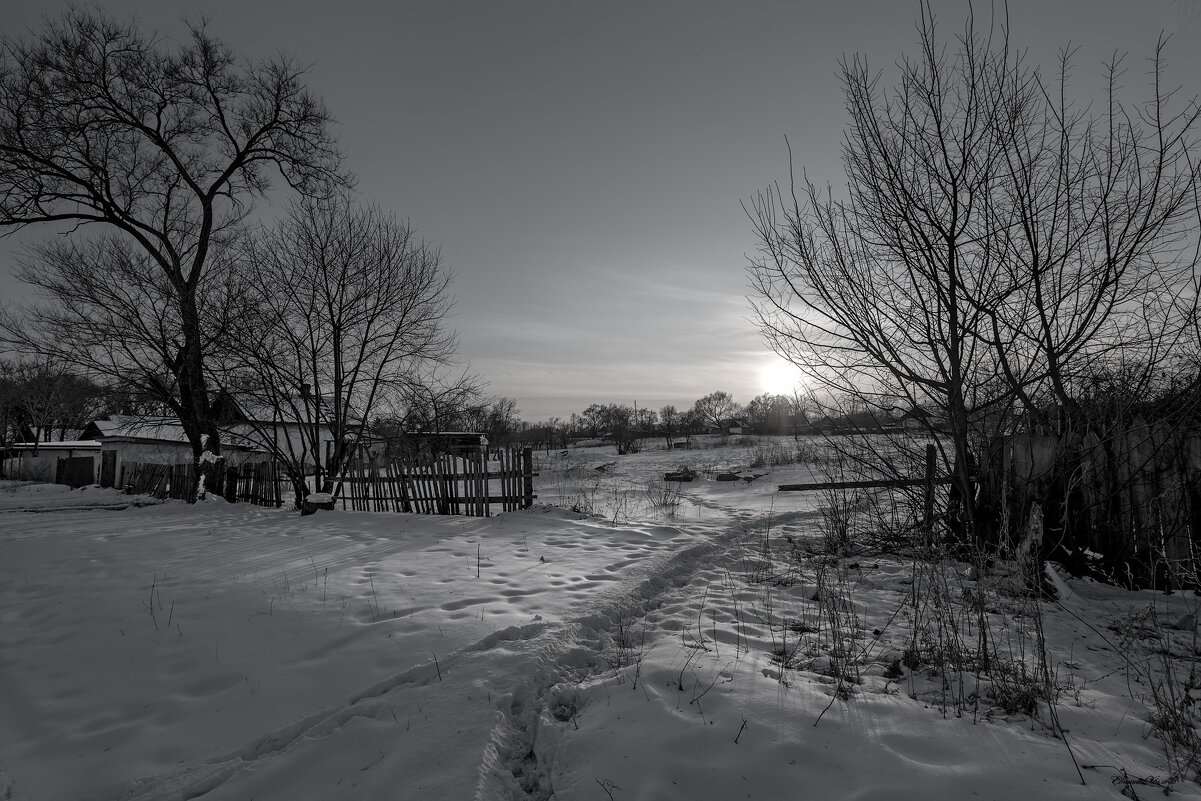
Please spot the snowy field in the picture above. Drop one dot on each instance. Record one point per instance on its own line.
(613, 643)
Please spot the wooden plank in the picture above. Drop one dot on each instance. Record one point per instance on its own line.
(427, 490)
(513, 474)
(502, 465)
(481, 491)
(931, 481)
(527, 470)
(512, 481)
(452, 466)
(405, 506)
(833, 485)
(440, 475)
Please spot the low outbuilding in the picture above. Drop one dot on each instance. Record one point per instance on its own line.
(73, 462)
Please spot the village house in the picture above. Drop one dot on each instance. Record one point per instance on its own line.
(288, 427)
(251, 431)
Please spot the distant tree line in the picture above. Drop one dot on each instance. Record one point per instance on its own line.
(466, 409)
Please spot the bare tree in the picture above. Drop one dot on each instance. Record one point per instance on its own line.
(669, 423)
(716, 408)
(502, 420)
(436, 403)
(113, 317)
(993, 241)
(12, 419)
(347, 312)
(49, 397)
(769, 414)
(163, 149)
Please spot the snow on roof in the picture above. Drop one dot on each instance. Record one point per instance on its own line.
(70, 444)
(121, 426)
(287, 411)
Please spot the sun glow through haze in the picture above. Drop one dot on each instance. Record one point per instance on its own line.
(778, 377)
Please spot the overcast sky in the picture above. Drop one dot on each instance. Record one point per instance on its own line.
(582, 164)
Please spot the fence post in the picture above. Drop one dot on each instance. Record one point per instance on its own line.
(527, 475)
(231, 485)
(931, 456)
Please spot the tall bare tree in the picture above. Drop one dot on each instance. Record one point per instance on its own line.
(346, 315)
(162, 148)
(993, 240)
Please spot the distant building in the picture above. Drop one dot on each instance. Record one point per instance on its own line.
(127, 439)
(727, 427)
(39, 461)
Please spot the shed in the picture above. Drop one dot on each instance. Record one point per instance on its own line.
(127, 439)
(423, 446)
(40, 461)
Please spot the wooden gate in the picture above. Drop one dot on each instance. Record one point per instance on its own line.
(108, 468)
(75, 471)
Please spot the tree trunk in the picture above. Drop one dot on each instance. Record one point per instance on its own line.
(196, 413)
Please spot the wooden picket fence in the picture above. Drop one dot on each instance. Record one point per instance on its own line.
(1128, 490)
(251, 483)
(257, 483)
(473, 484)
(158, 480)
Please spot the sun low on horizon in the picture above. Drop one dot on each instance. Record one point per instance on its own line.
(778, 377)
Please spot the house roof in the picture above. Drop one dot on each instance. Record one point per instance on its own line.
(130, 427)
(237, 407)
(70, 444)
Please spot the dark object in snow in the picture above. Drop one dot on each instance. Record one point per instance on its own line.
(683, 474)
(1186, 623)
(315, 501)
(728, 476)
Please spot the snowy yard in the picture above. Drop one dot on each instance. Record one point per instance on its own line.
(614, 650)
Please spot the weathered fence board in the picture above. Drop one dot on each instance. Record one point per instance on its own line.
(1127, 491)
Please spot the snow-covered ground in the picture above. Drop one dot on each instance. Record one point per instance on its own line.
(615, 645)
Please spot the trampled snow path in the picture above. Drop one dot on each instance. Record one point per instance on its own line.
(210, 634)
(500, 692)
